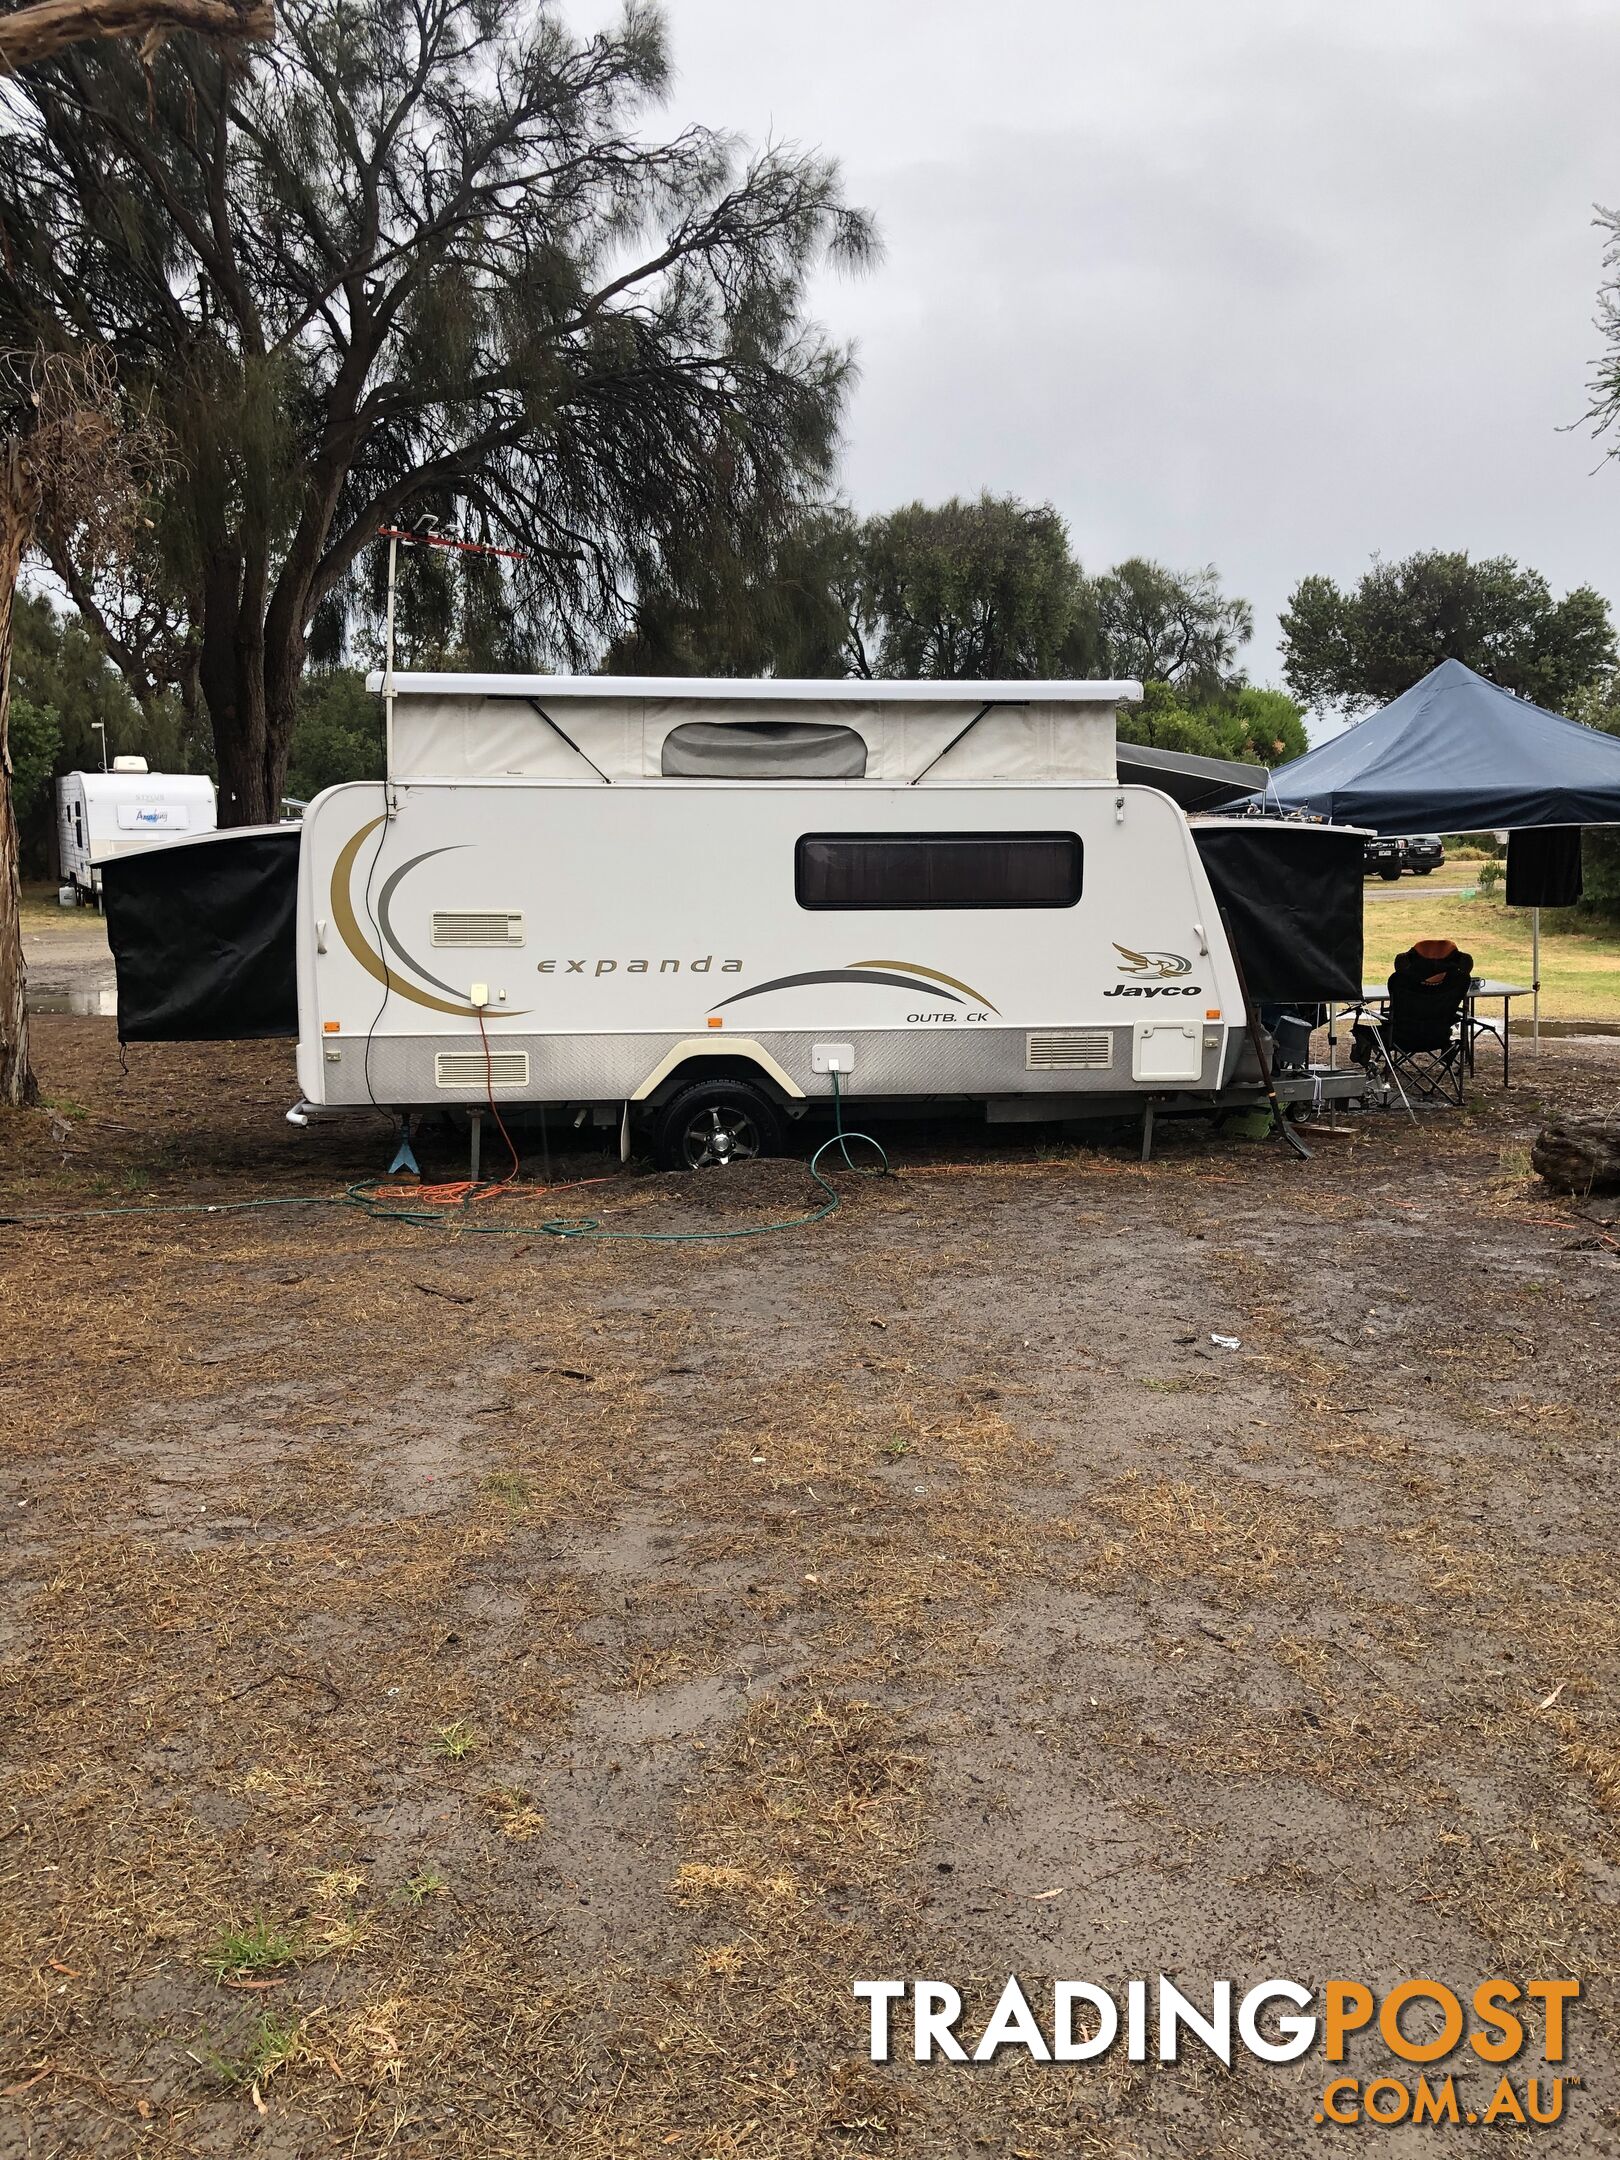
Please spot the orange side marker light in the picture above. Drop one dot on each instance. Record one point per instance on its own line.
(331, 1027)
(715, 1020)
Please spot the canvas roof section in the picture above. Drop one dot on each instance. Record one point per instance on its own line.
(616, 727)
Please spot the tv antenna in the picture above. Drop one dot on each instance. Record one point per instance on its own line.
(424, 533)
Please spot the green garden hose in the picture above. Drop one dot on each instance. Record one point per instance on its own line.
(369, 1200)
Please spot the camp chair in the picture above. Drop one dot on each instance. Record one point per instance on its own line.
(1423, 1040)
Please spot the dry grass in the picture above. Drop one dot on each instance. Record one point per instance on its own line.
(477, 1758)
(1580, 959)
(1239, 1541)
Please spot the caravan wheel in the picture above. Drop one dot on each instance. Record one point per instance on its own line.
(716, 1123)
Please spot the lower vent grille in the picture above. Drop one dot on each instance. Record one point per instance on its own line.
(466, 1068)
(1068, 1050)
(477, 926)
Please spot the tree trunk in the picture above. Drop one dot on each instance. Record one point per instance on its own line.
(230, 672)
(19, 497)
(249, 666)
(252, 710)
(283, 671)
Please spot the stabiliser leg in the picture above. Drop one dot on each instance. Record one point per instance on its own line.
(404, 1154)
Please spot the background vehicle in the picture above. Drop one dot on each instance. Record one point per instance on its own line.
(1388, 854)
(103, 814)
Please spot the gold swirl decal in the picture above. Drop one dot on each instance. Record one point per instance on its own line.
(370, 959)
(934, 975)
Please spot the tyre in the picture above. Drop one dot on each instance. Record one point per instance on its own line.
(1422, 869)
(1389, 876)
(715, 1123)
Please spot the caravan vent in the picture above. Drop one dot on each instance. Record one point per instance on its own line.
(1068, 1050)
(467, 1068)
(477, 926)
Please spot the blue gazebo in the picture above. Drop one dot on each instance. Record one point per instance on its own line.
(1456, 753)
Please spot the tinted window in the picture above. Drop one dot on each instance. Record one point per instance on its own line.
(938, 870)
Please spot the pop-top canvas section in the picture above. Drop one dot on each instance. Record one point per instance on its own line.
(607, 729)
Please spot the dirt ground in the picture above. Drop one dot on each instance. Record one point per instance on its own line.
(493, 1695)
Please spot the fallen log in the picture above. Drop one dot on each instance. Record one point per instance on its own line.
(1579, 1155)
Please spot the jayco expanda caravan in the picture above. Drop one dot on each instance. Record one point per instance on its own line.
(692, 909)
(699, 902)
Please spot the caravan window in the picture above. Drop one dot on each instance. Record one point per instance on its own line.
(763, 750)
(938, 870)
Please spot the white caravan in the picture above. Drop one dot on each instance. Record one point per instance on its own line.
(103, 814)
(698, 906)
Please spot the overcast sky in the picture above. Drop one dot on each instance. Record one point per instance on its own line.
(1268, 283)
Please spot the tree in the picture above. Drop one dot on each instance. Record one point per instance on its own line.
(1353, 649)
(36, 32)
(58, 660)
(70, 475)
(967, 589)
(418, 255)
(1604, 387)
(1255, 727)
(1598, 706)
(1173, 626)
(59, 669)
(970, 589)
(788, 606)
(34, 739)
(48, 481)
(338, 734)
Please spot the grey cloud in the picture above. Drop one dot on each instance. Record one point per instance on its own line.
(1261, 283)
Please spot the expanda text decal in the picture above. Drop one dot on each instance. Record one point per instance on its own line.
(1452, 2048)
(639, 967)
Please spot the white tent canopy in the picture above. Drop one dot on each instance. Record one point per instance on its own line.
(619, 727)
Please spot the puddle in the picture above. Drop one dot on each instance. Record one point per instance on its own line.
(1523, 1029)
(86, 1004)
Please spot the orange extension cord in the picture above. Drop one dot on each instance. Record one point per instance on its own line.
(463, 1192)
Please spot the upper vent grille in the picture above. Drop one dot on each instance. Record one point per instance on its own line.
(477, 926)
(1068, 1050)
(467, 1068)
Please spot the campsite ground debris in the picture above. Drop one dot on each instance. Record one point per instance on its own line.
(585, 1687)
